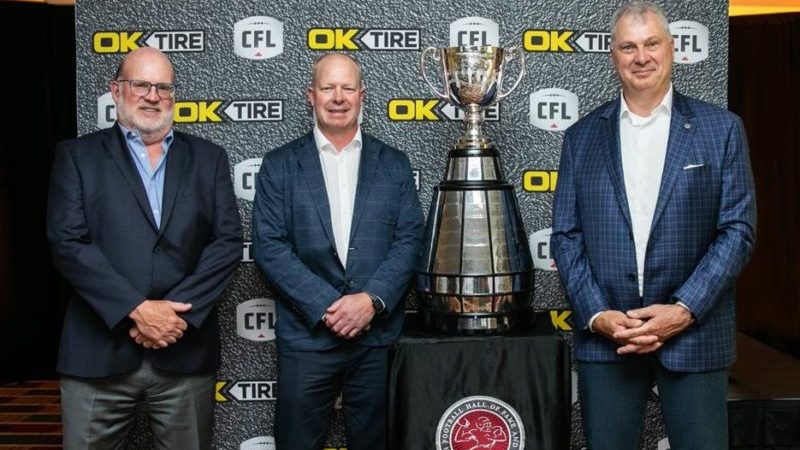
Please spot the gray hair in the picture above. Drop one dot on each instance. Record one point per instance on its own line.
(639, 9)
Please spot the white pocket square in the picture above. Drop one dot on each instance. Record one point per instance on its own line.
(693, 166)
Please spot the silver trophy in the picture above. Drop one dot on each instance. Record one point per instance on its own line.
(475, 274)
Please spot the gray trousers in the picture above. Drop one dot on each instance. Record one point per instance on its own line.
(97, 413)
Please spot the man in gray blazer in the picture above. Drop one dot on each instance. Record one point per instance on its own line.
(143, 224)
(653, 219)
(337, 228)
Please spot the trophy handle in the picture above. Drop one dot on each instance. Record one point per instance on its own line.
(508, 56)
(422, 61)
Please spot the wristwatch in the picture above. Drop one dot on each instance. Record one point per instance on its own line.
(377, 303)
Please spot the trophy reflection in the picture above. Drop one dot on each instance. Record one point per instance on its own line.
(475, 274)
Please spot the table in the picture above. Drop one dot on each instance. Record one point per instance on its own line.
(496, 393)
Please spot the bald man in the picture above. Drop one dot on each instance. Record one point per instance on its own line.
(143, 224)
(337, 228)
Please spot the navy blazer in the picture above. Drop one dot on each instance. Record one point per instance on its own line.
(701, 237)
(294, 243)
(105, 243)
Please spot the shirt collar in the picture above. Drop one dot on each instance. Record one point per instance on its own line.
(323, 144)
(134, 136)
(665, 107)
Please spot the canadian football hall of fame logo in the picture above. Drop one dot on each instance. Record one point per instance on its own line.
(480, 422)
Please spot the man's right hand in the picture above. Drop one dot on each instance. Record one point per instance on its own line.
(157, 321)
(609, 322)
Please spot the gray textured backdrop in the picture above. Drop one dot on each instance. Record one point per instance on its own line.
(245, 407)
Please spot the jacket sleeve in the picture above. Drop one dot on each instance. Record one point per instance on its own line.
(307, 293)
(735, 234)
(390, 280)
(75, 253)
(220, 256)
(568, 247)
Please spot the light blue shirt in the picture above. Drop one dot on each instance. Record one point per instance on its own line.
(152, 179)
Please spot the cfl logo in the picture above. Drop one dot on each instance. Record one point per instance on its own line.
(691, 41)
(106, 111)
(258, 37)
(244, 178)
(539, 242)
(255, 319)
(258, 443)
(474, 31)
(553, 109)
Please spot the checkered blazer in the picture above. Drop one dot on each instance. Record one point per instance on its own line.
(294, 242)
(701, 237)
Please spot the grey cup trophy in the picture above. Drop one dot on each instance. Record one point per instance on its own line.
(476, 273)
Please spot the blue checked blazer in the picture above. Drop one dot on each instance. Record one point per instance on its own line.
(294, 243)
(701, 237)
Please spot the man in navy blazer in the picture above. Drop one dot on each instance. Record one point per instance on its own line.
(653, 219)
(144, 226)
(337, 227)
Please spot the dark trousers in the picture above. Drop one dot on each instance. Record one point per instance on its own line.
(308, 383)
(614, 397)
(97, 413)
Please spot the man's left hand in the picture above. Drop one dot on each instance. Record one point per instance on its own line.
(663, 321)
(350, 315)
(140, 339)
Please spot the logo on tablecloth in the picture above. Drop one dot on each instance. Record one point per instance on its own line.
(480, 422)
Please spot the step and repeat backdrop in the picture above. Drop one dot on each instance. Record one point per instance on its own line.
(242, 70)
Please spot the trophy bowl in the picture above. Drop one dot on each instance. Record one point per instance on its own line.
(472, 75)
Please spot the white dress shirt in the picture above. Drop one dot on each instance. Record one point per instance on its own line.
(643, 143)
(340, 170)
(643, 147)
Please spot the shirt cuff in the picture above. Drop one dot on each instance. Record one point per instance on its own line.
(590, 325)
(680, 303)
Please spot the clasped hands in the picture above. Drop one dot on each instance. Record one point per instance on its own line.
(156, 323)
(642, 330)
(349, 316)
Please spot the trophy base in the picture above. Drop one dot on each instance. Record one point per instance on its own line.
(476, 324)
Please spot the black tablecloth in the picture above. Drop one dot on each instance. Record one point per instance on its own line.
(464, 391)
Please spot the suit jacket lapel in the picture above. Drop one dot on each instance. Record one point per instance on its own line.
(613, 158)
(681, 133)
(366, 176)
(177, 162)
(116, 146)
(308, 157)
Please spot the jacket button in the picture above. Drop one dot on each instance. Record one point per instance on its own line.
(632, 277)
(157, 249)
(351, 283)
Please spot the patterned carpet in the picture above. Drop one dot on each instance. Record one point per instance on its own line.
(30, 415)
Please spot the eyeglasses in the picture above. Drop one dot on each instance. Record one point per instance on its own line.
(142, 88)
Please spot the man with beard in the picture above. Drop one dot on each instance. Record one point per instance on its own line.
(143, 225)
(337, 228)
(653, 219)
